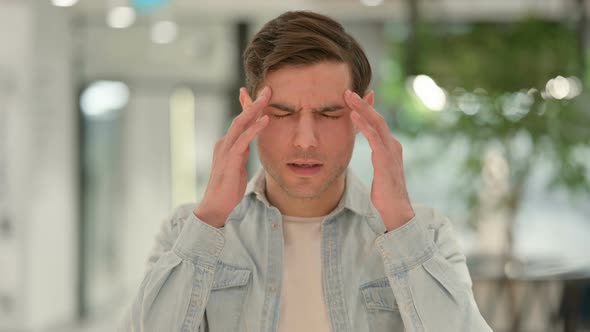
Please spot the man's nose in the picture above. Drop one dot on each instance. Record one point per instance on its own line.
(306, 132)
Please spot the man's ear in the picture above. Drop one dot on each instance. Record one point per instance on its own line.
(369, 98)
(245, 99)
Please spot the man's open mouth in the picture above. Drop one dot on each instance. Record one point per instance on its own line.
(304, 165)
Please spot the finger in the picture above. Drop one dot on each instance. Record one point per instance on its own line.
(243, 141)
(263, 96)
(365, 110)
(375, 141)
(245, 99)
(355, 102)
(249, 114)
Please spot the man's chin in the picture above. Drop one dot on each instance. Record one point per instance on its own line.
(298, 187)
(302, 191)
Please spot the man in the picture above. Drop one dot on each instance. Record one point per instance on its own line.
(304, 246)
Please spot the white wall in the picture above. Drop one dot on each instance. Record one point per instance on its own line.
(41, 160)
(15, 31)
(202, 58)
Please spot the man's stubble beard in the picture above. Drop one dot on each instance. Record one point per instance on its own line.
(334, 176)
(327, 184)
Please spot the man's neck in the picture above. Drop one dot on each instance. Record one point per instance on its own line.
(321, 205)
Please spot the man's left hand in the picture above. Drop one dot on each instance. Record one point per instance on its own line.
(388, 191)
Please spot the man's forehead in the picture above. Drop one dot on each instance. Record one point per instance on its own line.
(304, 99)
(313, 72)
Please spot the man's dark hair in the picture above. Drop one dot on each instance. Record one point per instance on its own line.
(303, 38)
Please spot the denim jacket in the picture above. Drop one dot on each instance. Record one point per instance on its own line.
(200, 278)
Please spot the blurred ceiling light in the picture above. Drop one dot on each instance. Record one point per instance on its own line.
(561, 87)
(103, 98)
(431, 95)
(371, 3)
(121, 17)
(63, 3)
(164, 32)
(575, 87)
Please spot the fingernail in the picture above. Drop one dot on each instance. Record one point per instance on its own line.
(262, 118)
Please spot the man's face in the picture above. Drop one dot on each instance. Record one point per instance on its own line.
(308, 142)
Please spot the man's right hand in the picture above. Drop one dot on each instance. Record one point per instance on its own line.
(228, 178)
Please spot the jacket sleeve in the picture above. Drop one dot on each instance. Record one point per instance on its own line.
(179, 276)
(429, 277)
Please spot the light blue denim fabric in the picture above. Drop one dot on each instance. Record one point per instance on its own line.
(200, 278)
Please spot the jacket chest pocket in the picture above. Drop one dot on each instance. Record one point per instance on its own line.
(382, 310)
(226, 300)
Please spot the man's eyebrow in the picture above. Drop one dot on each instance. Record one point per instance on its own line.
(329, 108)
(283, 107)
(323, 109)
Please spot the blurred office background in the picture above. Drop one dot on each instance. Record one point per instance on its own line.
(109, 110)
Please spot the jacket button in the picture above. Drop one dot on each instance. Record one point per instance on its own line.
(275, 225)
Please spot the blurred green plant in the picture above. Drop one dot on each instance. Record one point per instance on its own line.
(507, 85)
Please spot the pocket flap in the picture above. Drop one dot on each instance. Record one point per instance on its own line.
(379, 295)
(229, 276)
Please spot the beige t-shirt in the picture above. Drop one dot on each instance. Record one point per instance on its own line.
(302, 298)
